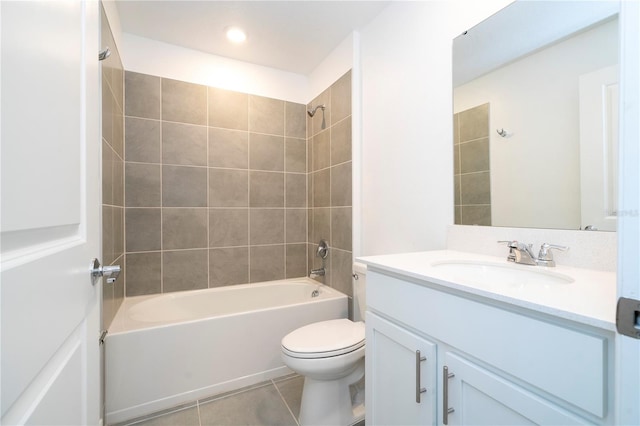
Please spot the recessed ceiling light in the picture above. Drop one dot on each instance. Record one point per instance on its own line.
(236, 35)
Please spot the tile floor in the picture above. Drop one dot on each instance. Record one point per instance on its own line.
(274, 402)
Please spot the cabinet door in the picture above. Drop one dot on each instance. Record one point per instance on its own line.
(399, 365)
(479, 397)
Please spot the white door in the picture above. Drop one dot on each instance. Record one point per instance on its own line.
(50, 197)
(599, 102)
(627, 362)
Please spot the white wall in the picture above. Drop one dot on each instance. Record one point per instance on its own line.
(152, 57)
(407, 153)
(334, 66)
(535, 173)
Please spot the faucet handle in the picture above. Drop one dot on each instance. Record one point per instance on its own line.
(545, 257)
(513, 245)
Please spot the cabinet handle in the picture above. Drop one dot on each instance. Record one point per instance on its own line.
(445, 395)
(419, 389)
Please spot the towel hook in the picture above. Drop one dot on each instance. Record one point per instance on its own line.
(502, 132)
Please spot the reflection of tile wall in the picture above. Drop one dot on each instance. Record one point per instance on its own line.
(330, 218)
(112, 172)
(472, 176)
(215, 186)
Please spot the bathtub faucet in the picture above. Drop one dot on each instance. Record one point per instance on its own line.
(317, 272)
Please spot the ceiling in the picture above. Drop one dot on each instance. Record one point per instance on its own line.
(293, 36)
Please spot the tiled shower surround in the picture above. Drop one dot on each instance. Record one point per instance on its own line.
(472, 172)
(112, 172)
(216, 187)
(329, 165)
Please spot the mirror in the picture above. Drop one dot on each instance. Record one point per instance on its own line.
(535, 117)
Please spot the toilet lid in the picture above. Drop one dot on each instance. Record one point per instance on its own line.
(324, 339)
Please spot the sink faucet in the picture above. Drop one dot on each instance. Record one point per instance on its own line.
(523, 253)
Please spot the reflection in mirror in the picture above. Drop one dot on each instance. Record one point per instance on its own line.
(535, 117)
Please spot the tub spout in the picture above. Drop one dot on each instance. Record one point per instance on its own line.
(317, 272)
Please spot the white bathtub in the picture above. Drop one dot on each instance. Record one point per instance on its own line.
(167, 349)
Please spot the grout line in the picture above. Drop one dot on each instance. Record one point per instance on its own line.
(285, 402)
(208, 212)
(248, 189)
(284, 186)
(161, 201)
(198, 401)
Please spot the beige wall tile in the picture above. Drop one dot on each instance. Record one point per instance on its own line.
(227, 109)
(142, 95)
(228, 227)
(184, 186)
(184, 144)
(266, 115)
(295, 154)
(476, 215)
(107, 173)
(228, 148)
(341, 185)
(341, 266)
(321, 225)
(321, 183)
(266, 263)
(296, 226)
(228, 266)
(184, 102)
(341, 98)
(474, 123)
(266, 189)
(228, 188)
(296, 190)
(185, 270)
(321, 144)
(296, 261)
(143, 140)
(475, 188)
(266, 226)
(474, 156)
(341, 220)
(341, 141)
(142, 185)
(143, 273)
(143, 229)
(295, 120)
(266, 152)
(184, 228)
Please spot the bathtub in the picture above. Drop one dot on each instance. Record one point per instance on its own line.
(166, 349)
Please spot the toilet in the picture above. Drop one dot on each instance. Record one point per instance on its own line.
(330, 356)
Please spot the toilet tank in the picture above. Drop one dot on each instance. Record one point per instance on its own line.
(359, 291)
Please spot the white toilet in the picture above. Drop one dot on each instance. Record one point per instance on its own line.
(330, 356)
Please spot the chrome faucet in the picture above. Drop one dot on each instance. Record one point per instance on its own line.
(523, 253)
(322, 251)
(317, 272)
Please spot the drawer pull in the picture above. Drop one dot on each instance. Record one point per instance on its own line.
(419, 389)
(446, 410)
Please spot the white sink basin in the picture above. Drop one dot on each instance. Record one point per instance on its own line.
(488, 273)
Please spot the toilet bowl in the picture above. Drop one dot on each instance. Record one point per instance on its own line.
(330, 356)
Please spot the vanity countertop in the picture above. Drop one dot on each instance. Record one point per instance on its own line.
(590, 299)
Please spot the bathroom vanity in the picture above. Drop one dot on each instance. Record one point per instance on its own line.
(457, 338)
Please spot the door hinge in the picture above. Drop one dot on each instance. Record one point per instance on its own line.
(103, 334)
(628, 317)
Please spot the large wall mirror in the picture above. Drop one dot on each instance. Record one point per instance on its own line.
(535, 117)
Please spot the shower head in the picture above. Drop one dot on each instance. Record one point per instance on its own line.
(312, 112)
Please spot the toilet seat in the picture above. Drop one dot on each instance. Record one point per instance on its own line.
(324, 339)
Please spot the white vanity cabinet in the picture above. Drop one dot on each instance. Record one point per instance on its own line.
(401, 368)
(506, 365)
